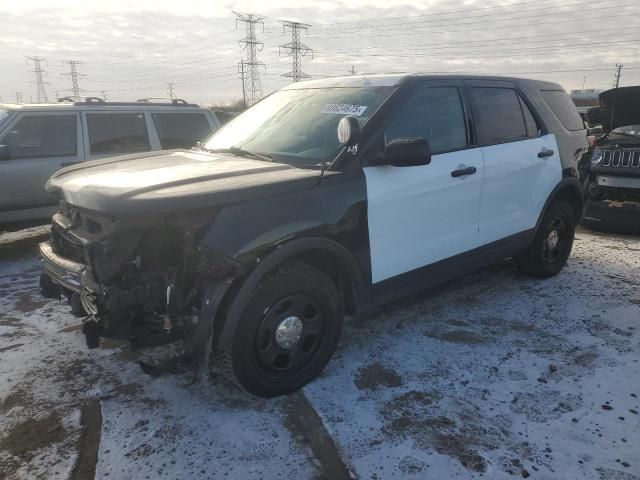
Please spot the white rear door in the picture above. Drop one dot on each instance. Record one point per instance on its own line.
(422, 214)
(522, 166)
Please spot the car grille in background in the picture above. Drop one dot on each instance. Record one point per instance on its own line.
(623, 158)
(65, 244)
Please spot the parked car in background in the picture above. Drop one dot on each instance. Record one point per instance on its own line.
(326, 198)
(614, 190)
(37, 140)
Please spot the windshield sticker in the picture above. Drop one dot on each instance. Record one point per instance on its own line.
(344, 109)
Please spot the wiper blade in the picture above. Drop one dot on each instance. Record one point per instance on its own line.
(243, 153)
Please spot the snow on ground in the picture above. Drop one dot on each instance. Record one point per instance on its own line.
(496, 375)
(23, 234)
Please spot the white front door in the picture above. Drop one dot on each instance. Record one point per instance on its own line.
(419, 215)
(39, 144)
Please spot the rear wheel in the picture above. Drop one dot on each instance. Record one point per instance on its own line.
(552, 244)
(286, 333)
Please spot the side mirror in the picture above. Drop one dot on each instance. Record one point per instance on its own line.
(349, 131)
(594, 116)
(5, 153)
(405, 152)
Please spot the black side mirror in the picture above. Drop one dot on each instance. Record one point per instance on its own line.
(594, 116)
(349, 131)
(405, 152)
(5, 153)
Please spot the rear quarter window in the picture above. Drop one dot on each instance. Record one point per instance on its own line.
(563, 108)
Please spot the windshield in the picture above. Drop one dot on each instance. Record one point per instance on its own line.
(298, 126)
(628, 130)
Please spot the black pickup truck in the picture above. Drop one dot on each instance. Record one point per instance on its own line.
(614, 181)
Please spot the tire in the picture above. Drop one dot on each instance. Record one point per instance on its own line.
(551, 246)
(48, 288)
(286, 332)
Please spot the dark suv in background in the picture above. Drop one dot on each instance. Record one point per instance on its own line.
(614, 181)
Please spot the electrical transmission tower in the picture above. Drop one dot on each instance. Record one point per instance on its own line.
(170, 86)
(41, 94)
(74, 74)
(296, 50)
(250, 67)
(616, 78)
(18, 97)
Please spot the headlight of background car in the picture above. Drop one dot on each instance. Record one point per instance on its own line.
(596, 156)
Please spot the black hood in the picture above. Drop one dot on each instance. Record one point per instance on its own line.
(620, 107)
(174, 180)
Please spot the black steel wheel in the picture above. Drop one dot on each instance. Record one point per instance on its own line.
(286, 332)
(551, 246)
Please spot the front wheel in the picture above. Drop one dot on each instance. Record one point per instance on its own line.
(552, 243)
(286, 332)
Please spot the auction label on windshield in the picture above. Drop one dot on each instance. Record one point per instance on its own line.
(344, 109)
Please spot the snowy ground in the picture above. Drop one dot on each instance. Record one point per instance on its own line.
(494, 376)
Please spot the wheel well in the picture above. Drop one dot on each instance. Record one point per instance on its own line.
(331, 265)
(572, 196)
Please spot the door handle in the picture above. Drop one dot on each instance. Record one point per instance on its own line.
(463, 171)
(545, 152)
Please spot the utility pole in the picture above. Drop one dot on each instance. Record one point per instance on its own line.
(170, 86)
(616, 81)
(251, 83)
(74, 74)
(18, 97)
(296, 49)
(353, 69)
(244, 93)
(41, 94)
(104, 95)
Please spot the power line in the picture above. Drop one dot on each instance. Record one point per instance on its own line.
(296, 49)
(250, 44)
(74, 74)
(41, 92)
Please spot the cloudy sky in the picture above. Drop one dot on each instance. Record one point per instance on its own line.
(133, 48)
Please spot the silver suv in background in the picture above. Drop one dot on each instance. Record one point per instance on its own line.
(37, 140)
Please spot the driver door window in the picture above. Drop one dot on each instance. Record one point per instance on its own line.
(434, 114)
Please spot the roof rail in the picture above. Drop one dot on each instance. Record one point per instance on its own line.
(97, 101)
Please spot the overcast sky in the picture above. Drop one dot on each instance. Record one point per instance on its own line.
(132, 48)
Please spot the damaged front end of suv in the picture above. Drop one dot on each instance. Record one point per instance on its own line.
(141, 277)
(614, 190)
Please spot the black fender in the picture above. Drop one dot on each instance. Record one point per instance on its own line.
(567, 186)
(281, 253)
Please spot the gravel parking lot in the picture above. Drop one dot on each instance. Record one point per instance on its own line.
(496, 375)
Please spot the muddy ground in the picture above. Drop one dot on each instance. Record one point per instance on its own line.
(493, 376)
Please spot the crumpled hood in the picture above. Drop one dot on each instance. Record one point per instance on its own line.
(174, 180)
(620, 107)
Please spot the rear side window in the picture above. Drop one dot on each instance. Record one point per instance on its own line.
(499, 115)
(435, 114)
(563, 108)
(181, 130)
(38, 136)
(117, 133)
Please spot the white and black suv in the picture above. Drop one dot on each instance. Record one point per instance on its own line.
(324, 199)
(37, 140)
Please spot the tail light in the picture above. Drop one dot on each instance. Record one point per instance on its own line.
(592, 141)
